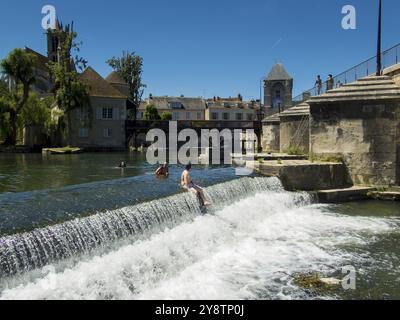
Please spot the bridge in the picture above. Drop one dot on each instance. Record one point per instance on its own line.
(135, 128)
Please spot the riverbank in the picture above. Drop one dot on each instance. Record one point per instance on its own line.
(327, 180)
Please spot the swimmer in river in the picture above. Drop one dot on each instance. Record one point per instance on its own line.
(163, 171)
(122, 165)
(188, 184)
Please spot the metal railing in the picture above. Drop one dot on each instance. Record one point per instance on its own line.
(198, 124)
(367, 68)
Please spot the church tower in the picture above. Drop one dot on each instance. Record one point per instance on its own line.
(53, 42)
(278, 90)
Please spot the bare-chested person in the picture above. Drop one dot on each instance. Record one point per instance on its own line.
(163, 171)
(188, 184)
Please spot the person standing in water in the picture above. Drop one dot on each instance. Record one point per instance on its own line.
(163, 171)
(188, 184)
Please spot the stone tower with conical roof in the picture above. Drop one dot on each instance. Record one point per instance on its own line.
(278, 89)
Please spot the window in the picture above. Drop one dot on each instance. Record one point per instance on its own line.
(175, 105)
(278, 93)
(214, 116)
(249, 117)
(199, 116)
(83, 133)
(107, 133)
(188, 117)
(107, 113)
(175, 116)
(226, 116)
(239, 116)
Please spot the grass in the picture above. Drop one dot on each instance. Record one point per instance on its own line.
(294, 150)
(326, 158)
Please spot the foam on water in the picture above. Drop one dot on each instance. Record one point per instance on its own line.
(246, 250)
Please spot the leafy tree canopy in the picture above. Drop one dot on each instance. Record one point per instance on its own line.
(166, 116)
(130, 68)
(151, 114)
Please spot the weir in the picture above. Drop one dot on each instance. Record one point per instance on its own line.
(32, 250)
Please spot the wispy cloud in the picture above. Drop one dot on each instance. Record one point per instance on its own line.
(277, 43)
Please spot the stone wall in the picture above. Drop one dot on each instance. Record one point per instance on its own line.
(365, 134)
(96, 137)
(270, 140)
(295, 132)
(34, 136)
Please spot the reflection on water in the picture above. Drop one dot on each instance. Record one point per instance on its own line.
(38, 190)
(27, 172)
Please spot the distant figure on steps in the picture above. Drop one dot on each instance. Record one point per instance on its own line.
(330, 83)
(188, 184)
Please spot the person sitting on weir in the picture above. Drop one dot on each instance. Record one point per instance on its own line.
(188, 184)
(122, 165)
(163, 171)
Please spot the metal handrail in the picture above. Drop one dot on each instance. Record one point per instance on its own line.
(366, 68)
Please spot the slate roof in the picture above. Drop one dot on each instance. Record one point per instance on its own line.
(98, 86)
(164, 103)
(272, 119)
(114, 77)
(278, 72)
(42, 60)
(302, 109)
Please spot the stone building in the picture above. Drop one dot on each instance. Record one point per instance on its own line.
(181, 108)
(270, 139)
(288, 131)
(360, 122)
(278, 90)
(295, 129)
(107, 129)
(231, 109)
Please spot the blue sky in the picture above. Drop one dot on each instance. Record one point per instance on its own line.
(210, 47)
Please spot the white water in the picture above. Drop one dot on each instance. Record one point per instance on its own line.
(245, 251)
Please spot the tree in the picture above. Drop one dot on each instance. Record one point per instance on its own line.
(5, 106)
(70, 94)
(151, 113)
(130, 68)
(166, 116)
(18, 66)
(37, 111)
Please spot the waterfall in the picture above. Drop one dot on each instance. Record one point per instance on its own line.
(32, 250)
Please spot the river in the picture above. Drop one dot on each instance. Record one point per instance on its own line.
(83, 229)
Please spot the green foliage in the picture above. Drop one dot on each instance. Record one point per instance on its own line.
(295, 150)
(130, 68)
(151, 114)
(18, 66)
(166, 116)
(330, 158)
(70, 93)
(37, 112)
